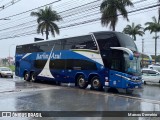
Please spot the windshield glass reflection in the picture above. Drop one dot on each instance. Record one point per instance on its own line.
(132, 67)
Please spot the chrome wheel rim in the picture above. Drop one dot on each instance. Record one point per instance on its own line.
(33, 78)
(95, 83)
(26, 76)
(81, 82)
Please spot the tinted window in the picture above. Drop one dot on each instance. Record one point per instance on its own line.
(76, 64)
(145, 71)
(116, 64)
(39, 47)
(57, 64)
(111, 58)
(39, 64)
(82, 42)
(105, 41)
(152, 72)
(126, 41)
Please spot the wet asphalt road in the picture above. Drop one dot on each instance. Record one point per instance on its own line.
(19, 95)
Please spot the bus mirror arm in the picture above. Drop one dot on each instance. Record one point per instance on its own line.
(130, 53)
(150, 57)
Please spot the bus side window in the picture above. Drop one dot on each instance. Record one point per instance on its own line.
(58, 64)
(69, 64)
(82, 42)
(39, 64)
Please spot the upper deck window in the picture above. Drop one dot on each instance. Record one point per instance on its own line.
(106, 40)
(81, 42)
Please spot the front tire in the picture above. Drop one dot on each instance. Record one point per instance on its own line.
(96, 84)
(81, 83)
(26, 76)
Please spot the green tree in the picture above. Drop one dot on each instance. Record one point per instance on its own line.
(46, 19)
(110, 10)
(153, 27)
(134, 30)
(5, 61)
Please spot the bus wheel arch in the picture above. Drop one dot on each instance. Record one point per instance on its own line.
(80, 81)
(26, 75)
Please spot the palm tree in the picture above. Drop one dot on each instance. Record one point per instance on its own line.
(110, 9)
(154, 27)
(133, 30)
(46, 19)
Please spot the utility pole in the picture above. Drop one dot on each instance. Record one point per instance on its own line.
(142, 52)
(156, 37)
(158, 12)
(9, 58)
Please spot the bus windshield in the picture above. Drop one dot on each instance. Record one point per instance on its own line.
(132, 67)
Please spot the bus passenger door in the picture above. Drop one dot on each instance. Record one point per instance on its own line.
(115, 79)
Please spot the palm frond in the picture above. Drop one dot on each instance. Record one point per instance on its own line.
(134, 30)
(110, 9)
(45, 19)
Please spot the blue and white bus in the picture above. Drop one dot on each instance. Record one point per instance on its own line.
(101, 59)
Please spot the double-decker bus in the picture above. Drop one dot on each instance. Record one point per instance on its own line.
(101, 59)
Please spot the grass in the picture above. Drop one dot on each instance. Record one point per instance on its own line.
(12, 67)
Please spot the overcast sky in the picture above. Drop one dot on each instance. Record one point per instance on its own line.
(8, 45)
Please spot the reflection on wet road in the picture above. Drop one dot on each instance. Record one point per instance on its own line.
(18, 95)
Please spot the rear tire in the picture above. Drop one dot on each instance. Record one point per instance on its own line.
(26, 76)
(33, 77)
(96, 84)
(145, 83)
(81, 83)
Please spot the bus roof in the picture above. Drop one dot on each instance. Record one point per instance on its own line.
(114, 32)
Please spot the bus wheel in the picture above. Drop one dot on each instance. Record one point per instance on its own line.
(26, 76)
(96, 84)
(33, 77)
(81, 82)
